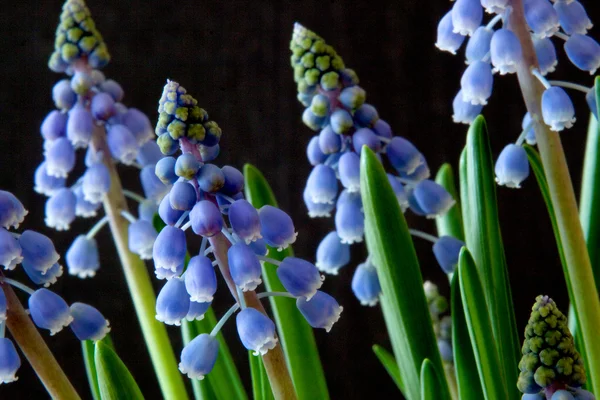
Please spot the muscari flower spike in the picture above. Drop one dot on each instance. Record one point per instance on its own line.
(208, 199)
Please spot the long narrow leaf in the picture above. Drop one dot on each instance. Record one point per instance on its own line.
(480, 332)
(115, 382)
(391, 366)
(484, 241)
(87, 348)
(451, 223)
(393, 253)
(467, 377)
(296, 335)
(432, 387)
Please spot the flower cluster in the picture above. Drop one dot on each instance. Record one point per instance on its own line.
(489, 51)
(442, 324)
(40, 261)
(89, 115)
(336, 108)
(550, 360)
(201, 196)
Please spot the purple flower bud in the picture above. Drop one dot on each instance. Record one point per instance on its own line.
(12, 212)
(512, 166)
(399, 191)
(141, 238)
(447, 39)
(584, 52)
(198, 357)
(478, 45)
(477, 83)
(165, 170)
(200, 279)
(464, 111)
(320, 105)
(197, 310)
(557, 109)
(506, 52)
(82, 257)
(206, 219)
(168, 146)
(112, 88)
(466, 16)
(322, 184)
(332, 254)
(149, 154)
(60, 158)
(322, 311)
(313, 152)
(167, 213)
(96, 183)
(430, 199)
(169, 249)
(9, 361)
(256, 331)
(64, 97)
(38, 251)
(54, 125)
(103, 106)
(81, 82)
(341, 121)
(541, 17)
(349, 219)
(84, 208)
(10, 250)
(366, 115)
(245, 221)
(245, 267)
(49, 311)
(122, 144)
(299, 277)
(209, 153)
(234, 180)
(494, 6)
(365, 284)
(403, 155)
(88, 323)
(187, 166)
(277, 227)
(572, 17)
(352, 97)
(316, 209)
(383, 129)
(79, 127)
(182, 196)
(44, 183)
(153, 188)
(173, 302)
(210, 178)
(446, 250)
(312, 120)
(60, 209)
(349, 171)
(546, 55)
(329, 141)
(139, 125)
(366, 137)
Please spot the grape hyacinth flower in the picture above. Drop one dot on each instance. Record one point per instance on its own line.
(336, 109)
(210, 200)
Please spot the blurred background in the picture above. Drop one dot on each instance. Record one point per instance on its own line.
(233, 56)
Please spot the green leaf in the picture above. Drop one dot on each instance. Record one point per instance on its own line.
(450, 224)
(261, 388)
(467, 376)
(295, 334)
(484, 241)
(480, 329)
(403, 300)
(389, 363)
(114, 379)
(432, 386)
(88, 348)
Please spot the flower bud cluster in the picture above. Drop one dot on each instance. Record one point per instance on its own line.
(442, 324)
(210, 200)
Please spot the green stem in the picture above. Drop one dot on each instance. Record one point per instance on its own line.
(139, 283)
(579, 269)
(35, 348)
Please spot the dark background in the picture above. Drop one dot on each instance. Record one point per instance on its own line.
(233, 57)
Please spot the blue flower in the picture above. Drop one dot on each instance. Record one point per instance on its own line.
(60, 158)
(256, 331)
(464, 111)
(122, 144)
(562, 395)
(173, 302)
(341, 122)
(167, 213)
(137, 122)
(186, 166)
(512, 166)
(141, 235)
(584, 52)
(54, 125)
(447, 39)
(113, 88)
(234, 180)
(47, 278)
(299, 277)
(546, 55)
(152, 186)
(322, 311)
(494, 6)
(430, 199)
(403, 155)
(322, 184)
(210, 178)
(349, 171)
(277, 228)
(165, 170)
(399, 191)
(200, 279)
(38, 251)
(332, 254)
(88, 323)
(182, 196)
(541, 17)
(96, 183)
(466, 16)
(506, 52)
(103, 106)
(206, 219)
(49, 311)
(244, 220)
(10, 250)
(349, 219)
(9, 361)
(149, 154)
(63, 96)
(84, 208)
(80, 126)
(244, 266)
(197, 310)
(329, 141)
(198, 357)
(82, 257)
(365, 284)
(477, 83)
(169, 249)
(478, 45)
(354, 96)
(446, 250)
(572, 17)
(313, 152)
(60, 209)
(46, 184)
(557, 109)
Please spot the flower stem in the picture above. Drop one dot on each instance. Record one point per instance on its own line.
(274, 360)
(35, 349)
(140, 285)
(579, 269)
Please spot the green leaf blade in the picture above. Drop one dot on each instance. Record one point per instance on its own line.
(450, 224)
(296, 336)
(391, 366)
(431, 383)
(403, 300)
(115, 382)
(87, 348)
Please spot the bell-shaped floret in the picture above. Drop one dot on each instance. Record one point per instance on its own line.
(572, 17)
(96, 182)
(113, 88)
(244, 266)
(312, 120)
(557, 109)
(352, 97)
(466, 16)
(141, 238)
(9, 361)
(341, 121)
(447, 39)
(122, 144)
(383, 129)
(276, 227)
(349, 218)
(332, 254)
(494, 6)
(584, 52)
(88, 323)
(506, 52)
(299, 277)
(49, 311)
(38, 251)
(234, 180)
(169, 249)
(82, 258)
(349, 171)
(199, 356)
(541, 17)
(403, 155)
(210, 178)
(60, 209)
(430, 199)
(546, 55)
(182, 196)
(10, 250)
(173, 302)
(139, 125)
(512, 166)
(197, 310)
(463, 111)
(446, 250)
(149, 154)
(329, 141)
(477, 83)
(366, 137)
(478, 45)
(316, 209)
(366, 116)
(313, 152)
(60, 158)
(200, 279)
(165, 170)
(103, 106)
(399, 191)
(322, 184)
(206, 219)
(322, 311)
(54, 125)
(365, 284)
(153, 187)
(80, 127)
(46, 184)
(46, 279)
(63, 96)
(169, 215)
(84, 208)
(187, 166)
(244, 220)
(256, 331)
